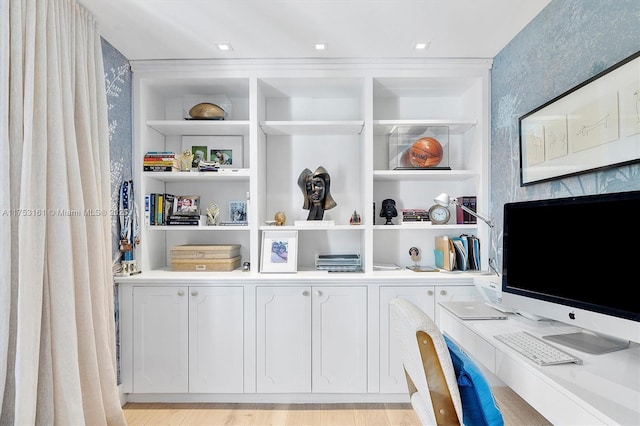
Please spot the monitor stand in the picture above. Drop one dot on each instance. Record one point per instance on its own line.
(595, 344)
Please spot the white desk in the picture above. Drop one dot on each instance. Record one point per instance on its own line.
(605, 389)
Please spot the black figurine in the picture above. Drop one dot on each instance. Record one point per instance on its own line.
(388, 210)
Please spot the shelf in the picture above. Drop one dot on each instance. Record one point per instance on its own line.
(321, 128)
(313, 228)
(217, 228)
(294, 116)
(221, 175)
(426, 175)
(456, 127)
(200, 127)
(424, 225)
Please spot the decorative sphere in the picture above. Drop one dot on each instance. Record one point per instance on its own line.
(425, 152)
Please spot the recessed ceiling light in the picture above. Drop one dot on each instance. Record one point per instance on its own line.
(421, 45)
(321, 46)
(225, 46)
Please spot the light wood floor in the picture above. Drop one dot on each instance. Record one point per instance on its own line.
(515, 412)
(270, 414)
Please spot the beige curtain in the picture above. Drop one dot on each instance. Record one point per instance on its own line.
(57, 335)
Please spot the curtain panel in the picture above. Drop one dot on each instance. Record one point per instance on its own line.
(57, 331)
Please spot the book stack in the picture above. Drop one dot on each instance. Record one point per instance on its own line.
(158, 161)
(415, 215)
(169, 209)
(338, 262)
(463, 217)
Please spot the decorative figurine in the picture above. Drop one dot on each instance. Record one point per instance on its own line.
(280, 218)
(316, 190)
(414, 253)
(355, 219)
(212, 213)
(186, 158)
(388, 210)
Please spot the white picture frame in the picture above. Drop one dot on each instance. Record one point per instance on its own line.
(279, 252)
(230, 149)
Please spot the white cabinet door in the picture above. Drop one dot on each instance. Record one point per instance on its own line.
(290, 330)
(339, 337)
(392, 378)
(216, 350)
(160, 339)
(283, 328)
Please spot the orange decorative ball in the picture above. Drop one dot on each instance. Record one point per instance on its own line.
(425, 152)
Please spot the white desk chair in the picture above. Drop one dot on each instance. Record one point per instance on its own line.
(443, 390)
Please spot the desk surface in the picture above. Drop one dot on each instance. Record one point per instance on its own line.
(604, 389)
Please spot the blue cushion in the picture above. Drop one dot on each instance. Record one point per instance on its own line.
(478, 405)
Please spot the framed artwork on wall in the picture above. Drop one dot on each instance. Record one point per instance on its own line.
(279, 251)
(595, 125)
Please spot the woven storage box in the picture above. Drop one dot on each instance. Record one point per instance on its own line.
(205, 265)
(205, 251)
(205, 257)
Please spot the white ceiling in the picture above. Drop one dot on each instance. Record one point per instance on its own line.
(190, 29)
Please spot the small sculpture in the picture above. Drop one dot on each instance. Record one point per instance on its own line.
(316, 190)
(280, 218)
(186, 159)
(355, 219)
(388, 210)
(212, 213)
(414, 253)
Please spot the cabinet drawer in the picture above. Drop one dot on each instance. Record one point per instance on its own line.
(474, 345)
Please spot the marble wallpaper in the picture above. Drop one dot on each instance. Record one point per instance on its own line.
(566, 44)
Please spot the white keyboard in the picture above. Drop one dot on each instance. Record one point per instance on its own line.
(537, 350)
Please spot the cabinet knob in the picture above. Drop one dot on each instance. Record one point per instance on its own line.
(305, 293)
(194, 292)
(429, 292)
(443, 292)
(180, 293)
(318, 293)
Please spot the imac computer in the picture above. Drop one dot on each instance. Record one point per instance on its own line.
(576, 260)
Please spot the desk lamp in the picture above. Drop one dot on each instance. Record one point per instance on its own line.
(444, 200)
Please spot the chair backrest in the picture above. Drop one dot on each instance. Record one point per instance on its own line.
(431, 378)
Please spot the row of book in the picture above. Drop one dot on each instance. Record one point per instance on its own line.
(464, 217)
(458, 253)
(415, 215)
(158, 161)
(169, 209)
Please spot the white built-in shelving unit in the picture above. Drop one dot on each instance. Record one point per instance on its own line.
(293, 115)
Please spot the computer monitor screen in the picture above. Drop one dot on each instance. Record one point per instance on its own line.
(575, 260)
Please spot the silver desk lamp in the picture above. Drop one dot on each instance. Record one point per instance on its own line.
(444, 200)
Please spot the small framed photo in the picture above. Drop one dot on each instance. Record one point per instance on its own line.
(227, 150)
(186, 205)
(238, 211)
(199, 154)
(279, 251)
